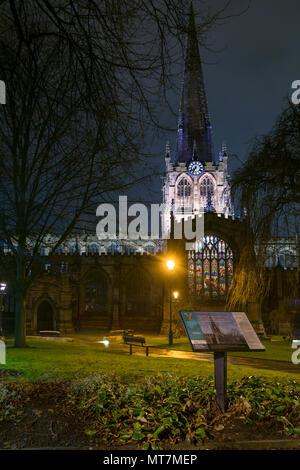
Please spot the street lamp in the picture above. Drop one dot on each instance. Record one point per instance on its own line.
(2, 293)
(170, 265)
(175, 295)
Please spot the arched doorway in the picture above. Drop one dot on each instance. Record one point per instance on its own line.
(95, 311)
(143, 311)
(210, 268)
(45, 317)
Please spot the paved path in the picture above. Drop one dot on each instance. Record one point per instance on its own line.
(254, 362)
(257, 363)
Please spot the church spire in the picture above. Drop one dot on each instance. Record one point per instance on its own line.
(194, 129)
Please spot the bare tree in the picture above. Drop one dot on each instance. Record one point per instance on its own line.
(268, 184)
(84, 80)
(55, 161)
(268, 187)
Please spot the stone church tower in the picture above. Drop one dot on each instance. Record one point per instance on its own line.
(194, 182)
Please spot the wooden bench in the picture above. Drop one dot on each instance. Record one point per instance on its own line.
(120, 332)
(132, 340)
(49, 333)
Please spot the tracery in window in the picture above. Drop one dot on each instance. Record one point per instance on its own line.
(95, 293)
(184, 188)
(206, 186)
(93, 249)
(210, 268)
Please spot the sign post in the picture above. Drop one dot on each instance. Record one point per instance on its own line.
(220, 360)
(220, 332)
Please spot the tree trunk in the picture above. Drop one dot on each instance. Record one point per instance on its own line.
(20, 312)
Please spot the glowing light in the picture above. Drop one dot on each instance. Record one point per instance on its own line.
(175, 295)
(2, 286)
(105, 342)
(170, 264)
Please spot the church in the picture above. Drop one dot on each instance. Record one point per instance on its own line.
(92, 285)
(193, 181)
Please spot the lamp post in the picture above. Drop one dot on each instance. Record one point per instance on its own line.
(175, 295)
(2, 293)
(170, 265)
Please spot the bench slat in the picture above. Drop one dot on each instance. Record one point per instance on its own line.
(134, 339)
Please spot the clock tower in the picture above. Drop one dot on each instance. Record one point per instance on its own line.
(194, 180)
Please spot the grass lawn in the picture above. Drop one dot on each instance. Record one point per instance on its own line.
(277, 349)
(55, 359)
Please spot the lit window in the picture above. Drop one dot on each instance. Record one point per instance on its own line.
(149, 248)
(75, 248)
(210, 268)
(93, 249)
(183, 188)
(206, 186)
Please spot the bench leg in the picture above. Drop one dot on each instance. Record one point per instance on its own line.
(130, 349)
(147, 350)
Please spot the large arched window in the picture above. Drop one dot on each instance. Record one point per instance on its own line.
(137, 290)
(150, 248)
(210, 268)
(75, 249)
(206, 186)
(143, 302)
(95, 292)
(112, 248)
(43, 251)
(184, 188)
(287, 259)
(93, 249)
(59, 250)
(130, 249)
(95, 312)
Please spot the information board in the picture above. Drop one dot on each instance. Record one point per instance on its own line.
(296, 327)
(220, 331)
(296, 331)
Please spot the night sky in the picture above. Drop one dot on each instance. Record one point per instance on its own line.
(247, 84)
(248, 79)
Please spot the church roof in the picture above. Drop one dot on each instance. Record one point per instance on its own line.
(194, 129)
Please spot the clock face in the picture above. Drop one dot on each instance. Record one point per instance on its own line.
(195, 168)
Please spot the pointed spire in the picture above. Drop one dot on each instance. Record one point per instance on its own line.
(223, 153)
(194, 150)
(168, 150)
(194, 121)
(224, 150)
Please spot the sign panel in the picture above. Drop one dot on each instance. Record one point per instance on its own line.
(296, 331)
(220, 331)
(296, 327)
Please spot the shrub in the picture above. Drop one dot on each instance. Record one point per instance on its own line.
(173, 409)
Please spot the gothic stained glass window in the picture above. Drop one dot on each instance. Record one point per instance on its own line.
(184, 188)
(199, 274)
(210, 268)
(191, 271)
